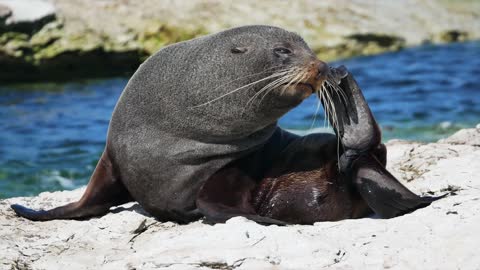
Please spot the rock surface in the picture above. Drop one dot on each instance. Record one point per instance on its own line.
(442, 236)
(92, 37)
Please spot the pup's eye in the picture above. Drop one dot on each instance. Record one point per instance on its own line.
(238, 50)
(282, 50)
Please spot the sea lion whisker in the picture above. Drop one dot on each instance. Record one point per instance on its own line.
(338, 135)
(326, 101)
(326, 105)
(330, 81)
(269, 86)
(285, 75)
(252, 75)
(300, 72)
(334, 111)
(329, 108)
(265, 88)
(315, 114)
(273, 84)
(238, 89)
(279, 74)
(288, 84)
(301, 79)
(335, 123)
(302, 140)
(320, 97)
(268, 91)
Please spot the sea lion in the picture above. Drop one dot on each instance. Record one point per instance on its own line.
(195, 132)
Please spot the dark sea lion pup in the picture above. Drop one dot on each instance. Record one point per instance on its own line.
(195, 134)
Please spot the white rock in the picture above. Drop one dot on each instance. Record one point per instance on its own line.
(444, 235)
(5, 12)
(464, 136)
(27, 14)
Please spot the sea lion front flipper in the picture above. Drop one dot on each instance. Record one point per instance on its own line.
(382, 191)
(103, 191)
(356, 126)
(350, 116)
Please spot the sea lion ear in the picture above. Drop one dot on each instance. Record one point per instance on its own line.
(238, 50)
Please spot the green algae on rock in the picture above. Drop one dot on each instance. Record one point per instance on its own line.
(53, 54)
(451, 36)
(361, 44)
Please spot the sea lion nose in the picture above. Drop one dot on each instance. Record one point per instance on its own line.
(323, 69)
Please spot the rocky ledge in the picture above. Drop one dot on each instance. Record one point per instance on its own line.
(64, 39)
(442, 236)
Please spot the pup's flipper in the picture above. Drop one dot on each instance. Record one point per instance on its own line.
(382, 191)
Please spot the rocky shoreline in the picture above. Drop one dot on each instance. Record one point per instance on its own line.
(65, 39)
(442, 236)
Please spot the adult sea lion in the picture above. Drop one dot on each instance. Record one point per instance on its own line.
(195, 132)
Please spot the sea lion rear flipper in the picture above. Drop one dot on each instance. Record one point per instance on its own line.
(382, 191)
(103, 191)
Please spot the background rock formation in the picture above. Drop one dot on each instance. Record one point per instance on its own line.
(99, 38)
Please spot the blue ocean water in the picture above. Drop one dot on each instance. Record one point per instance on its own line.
(51, 134)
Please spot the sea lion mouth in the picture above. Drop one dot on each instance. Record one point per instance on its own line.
(312, 77)
(307, 86)
(301, 86)
(300, 90)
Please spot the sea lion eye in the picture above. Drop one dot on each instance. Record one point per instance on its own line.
(237, 50)
(282, 51)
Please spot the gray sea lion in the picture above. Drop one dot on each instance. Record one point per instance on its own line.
(195, 133)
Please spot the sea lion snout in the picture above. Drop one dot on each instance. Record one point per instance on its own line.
(323, 70)
(317, 74)
(312, 75)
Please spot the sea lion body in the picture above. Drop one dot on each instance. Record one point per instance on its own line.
(164, 146)
(195, 134)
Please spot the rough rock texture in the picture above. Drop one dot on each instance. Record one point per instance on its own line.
(92, 37)
(465, 136)
(442, 236)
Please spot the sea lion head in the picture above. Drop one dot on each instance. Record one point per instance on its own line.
(255, 75)
(227, 85)
(286, 69)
